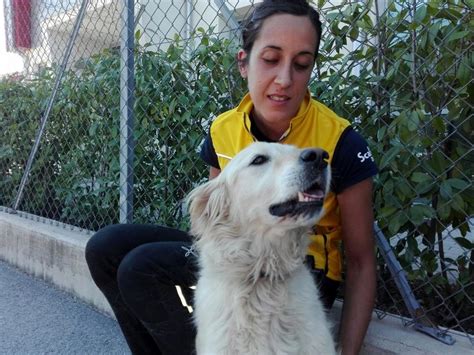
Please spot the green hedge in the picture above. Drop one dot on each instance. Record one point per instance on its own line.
(76, 172)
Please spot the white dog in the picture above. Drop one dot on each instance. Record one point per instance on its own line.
(254, 294)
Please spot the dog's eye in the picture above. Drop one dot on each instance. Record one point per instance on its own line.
(259, 160)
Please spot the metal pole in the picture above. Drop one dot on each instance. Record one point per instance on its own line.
(127, 88)
(421, 320)
(228, 15)
(46, 114)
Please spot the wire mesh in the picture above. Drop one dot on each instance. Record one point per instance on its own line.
(400, 71)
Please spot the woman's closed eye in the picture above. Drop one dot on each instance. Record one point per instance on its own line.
(302, 67)
(270, 61)
(296, 65)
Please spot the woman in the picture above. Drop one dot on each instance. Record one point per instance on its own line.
(138, 266)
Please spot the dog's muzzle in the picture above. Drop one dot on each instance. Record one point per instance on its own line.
(309, 200)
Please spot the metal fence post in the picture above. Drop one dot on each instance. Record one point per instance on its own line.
(228, 15)
(127, 87)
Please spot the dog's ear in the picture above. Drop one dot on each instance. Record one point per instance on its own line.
(207, 205)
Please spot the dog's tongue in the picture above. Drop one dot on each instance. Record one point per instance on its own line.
(308, 196)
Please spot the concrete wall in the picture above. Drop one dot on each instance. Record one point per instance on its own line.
(50, 252)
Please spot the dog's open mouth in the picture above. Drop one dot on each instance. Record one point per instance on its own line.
(307, 202)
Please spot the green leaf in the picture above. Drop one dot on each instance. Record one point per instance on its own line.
(429, 261)
(421, 177)
(404, 189)
(388, 157)
(409, 254)
(354, 33)
(413, 122)
(396, 222)
(443, 211)
(433, 30)
(448, 14)
(458, 204)
(458, 184)
(464, 72)
(387, 211)
(424, 187)
(381, 133)
(388, 186)
(420, 14)
(6, 152)
(138, 35)
(438, 163)
(446, 190)
(93, 129)
(457, 35)
(418, 213)
(465, 243)
(439, 124)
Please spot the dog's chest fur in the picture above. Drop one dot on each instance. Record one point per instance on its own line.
(266, 305)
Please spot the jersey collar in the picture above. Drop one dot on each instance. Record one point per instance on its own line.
(246, 105)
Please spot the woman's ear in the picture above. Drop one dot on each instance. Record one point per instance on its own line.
(242, 61)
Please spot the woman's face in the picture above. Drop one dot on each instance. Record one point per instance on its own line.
(279, 67)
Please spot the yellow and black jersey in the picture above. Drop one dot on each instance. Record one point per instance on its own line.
(314, 125)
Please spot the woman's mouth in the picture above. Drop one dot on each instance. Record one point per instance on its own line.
(278, 98)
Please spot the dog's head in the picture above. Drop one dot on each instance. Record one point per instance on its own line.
(265, 185)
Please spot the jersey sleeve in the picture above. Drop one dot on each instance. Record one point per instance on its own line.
(208, 154)
(352, 161)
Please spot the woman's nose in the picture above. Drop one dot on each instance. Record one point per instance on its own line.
(283, 77)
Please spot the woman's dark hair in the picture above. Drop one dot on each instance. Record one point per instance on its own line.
(253, 24)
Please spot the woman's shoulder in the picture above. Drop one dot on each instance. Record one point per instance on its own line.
(324, 112)
(237, 112)
(352, 161)
(227, 115)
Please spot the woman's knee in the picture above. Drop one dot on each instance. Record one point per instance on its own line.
(100, 242)
(136, 278)
(135, 266)
(101, 253)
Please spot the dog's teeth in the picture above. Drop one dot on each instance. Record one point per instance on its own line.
(314, 196)
(301, 197)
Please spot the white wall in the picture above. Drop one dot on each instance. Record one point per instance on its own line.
(53, 23)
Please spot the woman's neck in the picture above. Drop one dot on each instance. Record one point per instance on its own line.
(273, 131)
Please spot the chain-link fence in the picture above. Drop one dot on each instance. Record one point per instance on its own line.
(116, 97)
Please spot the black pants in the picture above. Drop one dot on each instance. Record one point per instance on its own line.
(137, 268)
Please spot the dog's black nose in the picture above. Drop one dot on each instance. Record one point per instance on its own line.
(315, 156)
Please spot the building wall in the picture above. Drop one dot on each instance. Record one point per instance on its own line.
(9, 62)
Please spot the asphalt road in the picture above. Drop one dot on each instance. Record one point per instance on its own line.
(37, 318)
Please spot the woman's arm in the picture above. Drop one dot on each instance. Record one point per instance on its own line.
(355, 204)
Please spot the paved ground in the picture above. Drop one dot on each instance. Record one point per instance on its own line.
(36, 318)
